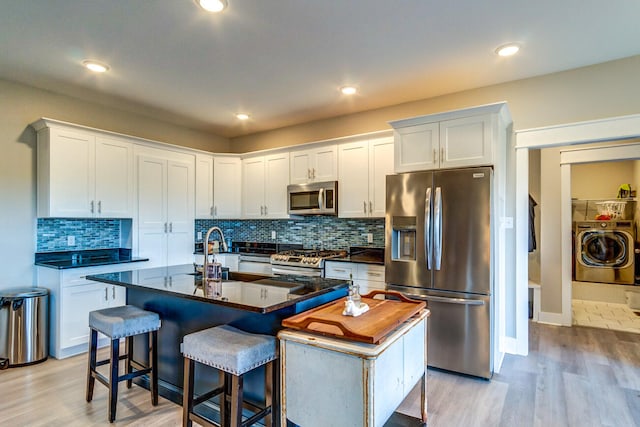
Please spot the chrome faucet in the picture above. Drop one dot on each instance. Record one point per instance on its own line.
(205, 247)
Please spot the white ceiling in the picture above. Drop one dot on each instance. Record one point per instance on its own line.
(282, 61)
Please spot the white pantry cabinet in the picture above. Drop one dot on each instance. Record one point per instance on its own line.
(227, 188)
(368, 277)
(83, 174)
(264, 186)
(316, 164)
(71, 298)
(165, 184)
(363, 167)
(453, 139)
(350, 383)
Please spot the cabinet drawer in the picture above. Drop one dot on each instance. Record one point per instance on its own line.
(370, 272)
(339, 270)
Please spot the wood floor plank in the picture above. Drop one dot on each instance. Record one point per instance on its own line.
(572, 377)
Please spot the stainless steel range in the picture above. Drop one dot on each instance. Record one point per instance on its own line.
(302, 262)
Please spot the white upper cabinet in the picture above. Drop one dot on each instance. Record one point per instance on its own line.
(314, 165)
(264, 186)
(227, 188)
(447, 140)
(363, 167)
(82, 174)
(204, 186)
(165, 207)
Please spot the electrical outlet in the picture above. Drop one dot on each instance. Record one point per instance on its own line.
(369, 237)
(199, 235)
(71, 240)
(273, 234)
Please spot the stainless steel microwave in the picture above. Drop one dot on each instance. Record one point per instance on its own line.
(316, 198)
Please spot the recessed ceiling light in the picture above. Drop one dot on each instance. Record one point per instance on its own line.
(508, 49)
(242, 116)
(95, 66)
(348, 90)
(213, 6)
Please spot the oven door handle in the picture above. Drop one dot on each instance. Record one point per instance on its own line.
(300, 272)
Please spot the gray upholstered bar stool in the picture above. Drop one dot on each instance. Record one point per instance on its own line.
(116, 323)
(234, 353)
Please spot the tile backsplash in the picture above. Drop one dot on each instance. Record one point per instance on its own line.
(53, 234)
(312, 231)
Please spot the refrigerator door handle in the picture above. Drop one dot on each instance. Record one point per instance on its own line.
(461, 301)
(437, 228)
(427, 227)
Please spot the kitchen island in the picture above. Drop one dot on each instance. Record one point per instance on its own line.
(250, 302)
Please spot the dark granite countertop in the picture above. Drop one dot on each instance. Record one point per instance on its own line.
(85, 258)
(363, 254)
(244, 291)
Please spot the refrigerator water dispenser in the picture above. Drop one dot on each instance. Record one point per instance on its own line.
(403, 238)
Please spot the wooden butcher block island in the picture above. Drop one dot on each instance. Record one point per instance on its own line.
(370, 327)
(353, 371)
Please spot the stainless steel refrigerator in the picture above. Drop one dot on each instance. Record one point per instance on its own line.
(439, 248)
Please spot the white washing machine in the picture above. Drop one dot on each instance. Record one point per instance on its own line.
(605, 251)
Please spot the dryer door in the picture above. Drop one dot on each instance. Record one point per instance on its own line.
(606, 248)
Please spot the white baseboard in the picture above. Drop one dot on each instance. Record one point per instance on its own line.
(551, 318)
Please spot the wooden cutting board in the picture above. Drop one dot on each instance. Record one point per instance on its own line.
(371, 327)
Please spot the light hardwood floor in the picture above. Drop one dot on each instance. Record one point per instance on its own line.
(572, 377)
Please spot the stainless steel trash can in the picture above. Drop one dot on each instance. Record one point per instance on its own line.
(24, 326)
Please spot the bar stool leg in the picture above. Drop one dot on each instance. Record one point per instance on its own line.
(93, 345)
(113, 378)
(153, 360)
(236, 400)
(269, 392)
(129, 368)
(187, 392)
(225, 380)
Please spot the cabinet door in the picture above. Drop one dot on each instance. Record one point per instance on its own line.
(152, 211)
(300, 166)
(353, 193)
(71, 175)
(466, 142)
(253, 187)
(380, 165)
(325, 166)
(77, 302)
(113, 178)
(416, 147)
(227, 188)
(275, 183)
(180, 208)
(204, 186)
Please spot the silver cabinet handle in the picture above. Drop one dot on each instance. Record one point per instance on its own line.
(364, 205)
(342, 270)
(113, 292)
(265, 210)
(427, 227)
(435, 156)
(463, 301)
(442, 155)
(437, 228)
(370, 207)
(321, 198)
(374, 274)
(309, 173)
(170, 227)
(313, 174)
(261, 210)
(106, 294)
(211, 211)
(99, 206)
(215, 211)
(166, 229)
(92, 204)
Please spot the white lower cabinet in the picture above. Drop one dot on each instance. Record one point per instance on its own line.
(71, 298)
(337, 382)
(368, 277)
